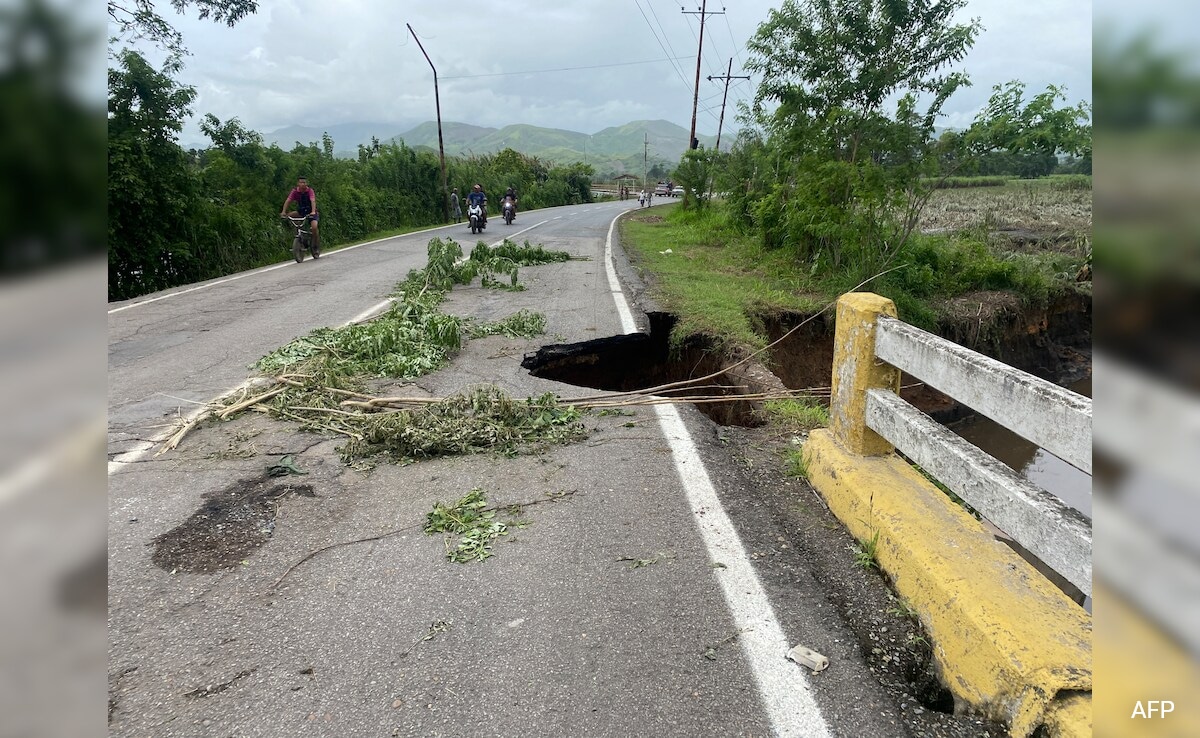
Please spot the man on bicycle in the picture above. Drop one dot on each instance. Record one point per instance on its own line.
(305, 198)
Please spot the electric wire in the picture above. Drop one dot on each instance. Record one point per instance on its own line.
(660, 43)
(560, 69)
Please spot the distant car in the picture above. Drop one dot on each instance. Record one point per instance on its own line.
(677, 192)
(660, 190)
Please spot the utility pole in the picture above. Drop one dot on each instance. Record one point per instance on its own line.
(727, 77)
(692, 142)
(441, 148)
(645, 158)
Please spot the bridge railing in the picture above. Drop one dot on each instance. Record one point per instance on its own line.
(868, 417)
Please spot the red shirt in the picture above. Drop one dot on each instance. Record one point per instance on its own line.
(300, 197)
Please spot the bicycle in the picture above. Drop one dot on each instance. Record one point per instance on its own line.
(303, 240)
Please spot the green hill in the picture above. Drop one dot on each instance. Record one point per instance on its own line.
(611, 150)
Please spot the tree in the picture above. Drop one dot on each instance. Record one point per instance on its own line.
(1032, 133)
(149, 188)
(138, 19)
(830, 70)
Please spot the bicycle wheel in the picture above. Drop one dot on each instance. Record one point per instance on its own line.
(297, 250)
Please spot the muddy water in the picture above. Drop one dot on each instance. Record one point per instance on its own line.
(1040, 467)
(1037, 465)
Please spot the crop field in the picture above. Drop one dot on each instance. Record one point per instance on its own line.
(1054, 208)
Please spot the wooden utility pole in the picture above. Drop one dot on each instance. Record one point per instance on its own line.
(441, 148)
(728, 76)
(692, 142)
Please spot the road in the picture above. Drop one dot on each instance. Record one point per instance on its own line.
(631, 604)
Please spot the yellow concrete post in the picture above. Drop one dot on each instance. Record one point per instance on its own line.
(855, 370)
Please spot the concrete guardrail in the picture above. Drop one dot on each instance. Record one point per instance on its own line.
(1006, 641)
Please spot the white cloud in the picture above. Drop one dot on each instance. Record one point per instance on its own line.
(320, 63)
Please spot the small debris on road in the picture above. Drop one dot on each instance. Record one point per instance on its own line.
(808, 657)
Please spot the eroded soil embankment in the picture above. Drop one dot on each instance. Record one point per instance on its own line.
(1052, 342)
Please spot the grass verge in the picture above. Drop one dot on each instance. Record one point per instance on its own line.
(713, 276)
(718, 278)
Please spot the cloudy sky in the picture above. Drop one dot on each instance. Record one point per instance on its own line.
(569, 64)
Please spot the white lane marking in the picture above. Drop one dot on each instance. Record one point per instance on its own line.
(267, 269)
(137, 452)
(614, 285)
(784, 690)
(523, 230)
(370, 311)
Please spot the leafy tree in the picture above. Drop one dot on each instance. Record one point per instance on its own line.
(692, 175)
(1030, 134)
(848, 170)
(138, 19)
(149, 189)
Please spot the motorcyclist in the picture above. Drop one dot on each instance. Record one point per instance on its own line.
(478, 197)
(511, 195)
(305, 198)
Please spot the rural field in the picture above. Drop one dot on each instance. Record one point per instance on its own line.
(1052, 210)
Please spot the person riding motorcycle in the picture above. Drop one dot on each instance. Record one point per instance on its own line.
(305, 198)
(478, 197)
(511, 195)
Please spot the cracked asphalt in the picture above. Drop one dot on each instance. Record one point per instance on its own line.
(559, 633)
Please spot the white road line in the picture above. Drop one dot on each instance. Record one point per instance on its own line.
(267, 269)
(523, 230)
(784, 690)
(614, 285)
(139, 451)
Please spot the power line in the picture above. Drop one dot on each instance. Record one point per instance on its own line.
(562, 69)
(665, 38)
(707, 60)
(660, 43)
(736, 48)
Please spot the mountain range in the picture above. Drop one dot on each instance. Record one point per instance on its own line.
(616, 149)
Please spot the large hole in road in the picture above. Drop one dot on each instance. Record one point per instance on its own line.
(639, 361)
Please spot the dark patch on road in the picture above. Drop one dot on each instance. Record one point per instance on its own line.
(228, 527)
(218, 688)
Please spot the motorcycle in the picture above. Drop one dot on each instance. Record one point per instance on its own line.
(510, 211)
(476, 218)
(303, 240)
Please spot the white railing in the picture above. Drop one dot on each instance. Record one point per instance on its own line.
(1056, 419)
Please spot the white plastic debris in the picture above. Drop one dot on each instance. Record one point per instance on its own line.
(808, 657)
(668, 251)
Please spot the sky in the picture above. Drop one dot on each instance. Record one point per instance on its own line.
(571, 64)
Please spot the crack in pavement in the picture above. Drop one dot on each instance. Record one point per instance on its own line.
(218, 688)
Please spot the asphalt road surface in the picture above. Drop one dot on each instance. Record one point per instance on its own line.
(630, 603)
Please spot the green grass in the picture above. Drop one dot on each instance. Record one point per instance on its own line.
(799, 414)
(866, 553)
(797, 464)
(715, 276)
(963, 182)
